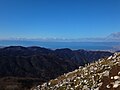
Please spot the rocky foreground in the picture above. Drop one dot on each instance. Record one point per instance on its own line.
(103, 74)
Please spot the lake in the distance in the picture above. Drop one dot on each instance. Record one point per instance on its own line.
(71, 45)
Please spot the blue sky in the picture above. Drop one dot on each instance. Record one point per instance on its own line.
(59, 18)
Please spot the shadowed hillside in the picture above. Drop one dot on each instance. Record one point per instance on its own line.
(24, 67)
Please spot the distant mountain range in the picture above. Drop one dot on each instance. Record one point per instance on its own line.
(23, 67)
(113, 37)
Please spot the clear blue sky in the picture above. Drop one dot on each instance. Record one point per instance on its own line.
(58, 18)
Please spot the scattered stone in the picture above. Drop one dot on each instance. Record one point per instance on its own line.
(115, 85)
(116, 77)
(109, 57)
(106, 73)
(112, 78)
(89, 77)
(108, 86)
(118, 73)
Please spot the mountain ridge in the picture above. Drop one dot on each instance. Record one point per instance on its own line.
(114, 36)
(111, 37)
(41, 63)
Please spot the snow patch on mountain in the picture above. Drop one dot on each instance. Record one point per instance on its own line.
(114, 36)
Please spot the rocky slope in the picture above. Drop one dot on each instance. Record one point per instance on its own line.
(100, 75)
(22, 67)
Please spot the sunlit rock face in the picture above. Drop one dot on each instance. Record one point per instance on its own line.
(100, 75)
